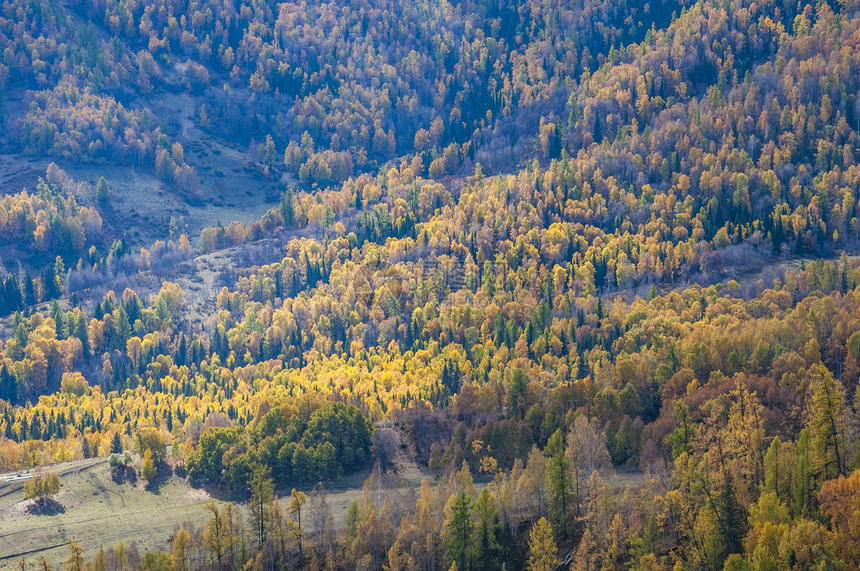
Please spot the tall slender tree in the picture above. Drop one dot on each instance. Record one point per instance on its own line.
(297, 502)
(825, 425)
(460, 528)
(486, 544)
(558, 467)
(262, 489)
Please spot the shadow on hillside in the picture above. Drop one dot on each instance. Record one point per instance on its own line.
(46, 507)
(163, 473)
(123, 474)
(352, 481)
(220, 493)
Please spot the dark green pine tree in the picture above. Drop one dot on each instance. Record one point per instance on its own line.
(582, 369)
(733, 515)
(14, 299)
(287, 208)
(460, 529)
(652, 293)
(122, 328)
(487, 547)
(517, 391)
(49, 283)
(182, 350)
(558, 469)
(57, 316)
(29, 291)
(8, 387)
(116, 444)
(82, 333)
(102, 190)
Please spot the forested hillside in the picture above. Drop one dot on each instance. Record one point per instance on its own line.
(520, 245)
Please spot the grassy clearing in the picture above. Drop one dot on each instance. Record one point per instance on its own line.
(95, 510)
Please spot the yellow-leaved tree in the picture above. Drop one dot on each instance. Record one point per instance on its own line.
(543, 552)
(147, 470)
(42, 487)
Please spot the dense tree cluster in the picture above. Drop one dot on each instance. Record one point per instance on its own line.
(301, 443)
(50, 219)
(73, 123)
(364, 88)
(70, 122)
(360, 83)
(42, 487)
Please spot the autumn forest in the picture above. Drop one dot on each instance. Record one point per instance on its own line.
(571, 284)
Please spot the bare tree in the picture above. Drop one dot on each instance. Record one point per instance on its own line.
(386, 445)
(322, 522)
(586, 448)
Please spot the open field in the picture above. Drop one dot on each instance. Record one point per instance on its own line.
(94, 510)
